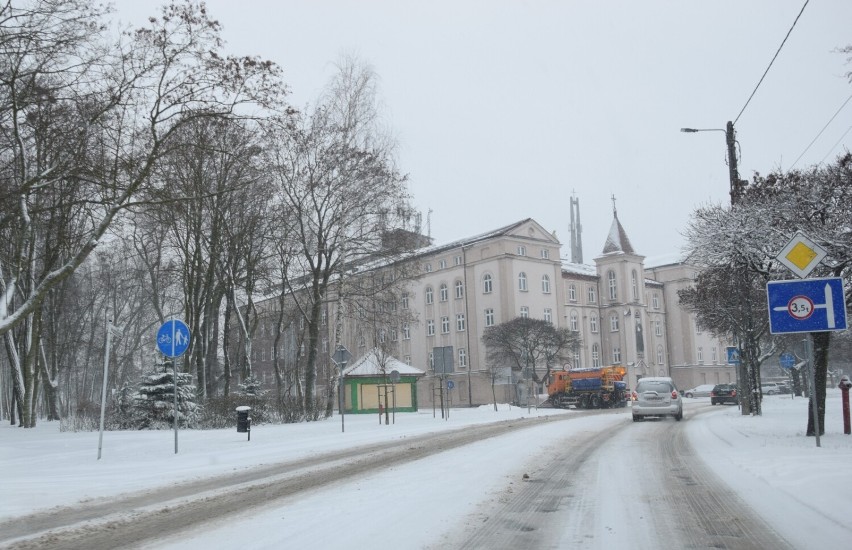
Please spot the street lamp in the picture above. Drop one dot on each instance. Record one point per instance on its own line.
(736, 193)
(733, 174)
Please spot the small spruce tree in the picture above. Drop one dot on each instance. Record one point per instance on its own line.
(154, 401)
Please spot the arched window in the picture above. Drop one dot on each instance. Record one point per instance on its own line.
(596, 356)
(613, 289)
(522, 281)
(575, 326)
(487, 284)
(593, 323)
(659, 355)
(430, 297)
(459, 289)
(444, 293)
(545, 284)
(572, 292)
(634, 283)
(613, 322)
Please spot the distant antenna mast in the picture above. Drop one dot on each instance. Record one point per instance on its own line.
(576, 232)
(429, 223)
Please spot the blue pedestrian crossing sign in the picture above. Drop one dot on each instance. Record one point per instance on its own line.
(733, 355)
(806, 305)
(173, 338)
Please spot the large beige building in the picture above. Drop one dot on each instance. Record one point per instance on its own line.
(625, 314)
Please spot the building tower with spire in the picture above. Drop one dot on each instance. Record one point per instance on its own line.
(576, 232)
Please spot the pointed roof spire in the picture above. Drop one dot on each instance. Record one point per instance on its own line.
(617, 240)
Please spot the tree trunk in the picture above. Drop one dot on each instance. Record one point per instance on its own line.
(821, 342)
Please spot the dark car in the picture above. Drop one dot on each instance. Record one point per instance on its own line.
(723, 393)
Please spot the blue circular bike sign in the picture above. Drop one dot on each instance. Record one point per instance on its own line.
(173, 338)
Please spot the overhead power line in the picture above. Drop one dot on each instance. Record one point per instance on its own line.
(771, 62)
(823, 130)
(836, 144)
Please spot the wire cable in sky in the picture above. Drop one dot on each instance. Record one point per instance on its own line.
(771, 62)
(836, 144)
(821, 131)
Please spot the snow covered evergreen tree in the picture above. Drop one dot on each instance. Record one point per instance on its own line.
(154, 401)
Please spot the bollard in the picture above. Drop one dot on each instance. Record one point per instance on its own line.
(244, 420)
(844, 386)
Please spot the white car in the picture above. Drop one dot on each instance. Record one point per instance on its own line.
(656, 397)
(699, 391)
(773, 388)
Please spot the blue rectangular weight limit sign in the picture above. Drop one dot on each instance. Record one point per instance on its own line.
(806, 305)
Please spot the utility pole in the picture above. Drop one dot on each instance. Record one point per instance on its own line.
(747, 381)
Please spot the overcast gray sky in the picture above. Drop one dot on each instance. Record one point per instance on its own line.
(503, 109)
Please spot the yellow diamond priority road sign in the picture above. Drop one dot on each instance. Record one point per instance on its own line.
(801, 255)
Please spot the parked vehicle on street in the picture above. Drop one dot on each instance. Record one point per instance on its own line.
(656, 397)
(723, 393)
(699, 391)
(774, 388)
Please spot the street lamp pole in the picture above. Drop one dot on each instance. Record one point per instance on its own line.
(736, 194)
(730, 140)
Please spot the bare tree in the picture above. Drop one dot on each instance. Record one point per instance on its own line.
(336, 176)
(85, 123)
(529, 345)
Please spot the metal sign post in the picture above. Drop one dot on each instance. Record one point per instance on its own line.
(173, 340)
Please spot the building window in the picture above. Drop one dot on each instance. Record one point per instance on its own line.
(659, 355)
(572, 292)
(713, 355)
(613, 322)
(525, 312)
(596, 356)
(458, 260)
(324, 318)
(460, 325)
(593, 295)
(593, 323)
(430, 297)
(430, 327)
(324, 347)
(613, 289)
(404, 301)
(545, 253)
(462, 357)
(616, 355)
(381, 336)
(634, 284)
(522, 251)
(406, 332)
(700, 354)
(428, 268)
(407, 359)
(445, 325)
(574, 322)
(655, 301)
(489, 317)
(444, 293)
(545, 284)
(362, 342)
(459, 289)
(658, 327)
(431, 360)
(548, 315)
(522, 281)
(576, 358)
(443, 264)
(487, 284)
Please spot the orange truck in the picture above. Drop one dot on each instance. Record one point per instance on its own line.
(591, 388)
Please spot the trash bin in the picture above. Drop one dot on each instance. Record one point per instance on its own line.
(244, 420)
